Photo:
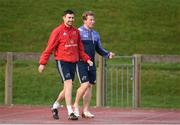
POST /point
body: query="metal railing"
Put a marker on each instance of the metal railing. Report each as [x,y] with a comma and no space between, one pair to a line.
[119,84]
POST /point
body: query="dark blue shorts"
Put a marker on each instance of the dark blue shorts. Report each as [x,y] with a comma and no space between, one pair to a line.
[66,70]
[86,73]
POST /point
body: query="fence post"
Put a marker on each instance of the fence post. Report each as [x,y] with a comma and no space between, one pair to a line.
[100,83]
[137,80]
[8,79]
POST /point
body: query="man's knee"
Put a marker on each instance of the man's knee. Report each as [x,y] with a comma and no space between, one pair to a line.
[85,84]
[83,87]
[69,81]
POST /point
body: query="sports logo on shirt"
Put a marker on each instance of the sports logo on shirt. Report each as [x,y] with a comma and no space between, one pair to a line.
[85,35]
[64,34]
[71,41]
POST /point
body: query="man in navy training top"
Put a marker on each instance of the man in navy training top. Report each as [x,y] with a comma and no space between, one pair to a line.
[87,74]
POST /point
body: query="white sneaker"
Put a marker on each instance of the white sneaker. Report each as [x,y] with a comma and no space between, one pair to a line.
[87,114]
[76,112]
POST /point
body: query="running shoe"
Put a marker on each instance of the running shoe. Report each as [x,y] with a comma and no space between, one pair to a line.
[55,113]
[87,114]
[72,116]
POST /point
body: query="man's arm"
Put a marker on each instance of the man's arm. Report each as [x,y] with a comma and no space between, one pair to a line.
[52,43]
[100,50]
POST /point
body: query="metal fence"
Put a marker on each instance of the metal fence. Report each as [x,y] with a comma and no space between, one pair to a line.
[118,81]
[119,84]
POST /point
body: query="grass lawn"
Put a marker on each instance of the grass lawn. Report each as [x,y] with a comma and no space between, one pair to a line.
[159,87]
[31,87]
[126,27]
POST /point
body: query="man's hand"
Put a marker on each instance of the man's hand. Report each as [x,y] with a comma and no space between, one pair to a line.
[111,55]
[90,63]
[41,68]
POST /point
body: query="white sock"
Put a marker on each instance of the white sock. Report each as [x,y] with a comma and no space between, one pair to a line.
[76,111]
[56,105]
[69,108]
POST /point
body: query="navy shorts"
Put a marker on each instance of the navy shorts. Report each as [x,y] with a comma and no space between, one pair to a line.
[66,70]
[86,73]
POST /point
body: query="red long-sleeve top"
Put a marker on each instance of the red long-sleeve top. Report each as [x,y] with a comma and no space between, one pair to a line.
[66,44]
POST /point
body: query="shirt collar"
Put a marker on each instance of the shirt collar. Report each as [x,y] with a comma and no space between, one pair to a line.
[84,28]
[65,27]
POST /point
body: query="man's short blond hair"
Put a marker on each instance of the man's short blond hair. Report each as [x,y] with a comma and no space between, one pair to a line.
[87,13]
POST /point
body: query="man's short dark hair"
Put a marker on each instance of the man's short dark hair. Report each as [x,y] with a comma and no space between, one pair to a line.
[68,12]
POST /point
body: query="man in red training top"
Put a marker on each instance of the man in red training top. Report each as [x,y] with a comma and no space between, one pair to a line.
[65,42]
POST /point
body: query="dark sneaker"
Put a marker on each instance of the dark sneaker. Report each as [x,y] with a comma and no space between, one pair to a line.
[55,113]
[72,116]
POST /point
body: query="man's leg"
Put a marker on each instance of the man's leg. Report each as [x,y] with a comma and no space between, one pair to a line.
[56,105]
[67,72]
[68,95]
[61,96]
[68,98]
[80,92]
[87,98]
[58,101]
[86,101]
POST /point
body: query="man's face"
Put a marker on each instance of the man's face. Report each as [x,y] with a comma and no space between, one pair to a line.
[68,19]
[89,22]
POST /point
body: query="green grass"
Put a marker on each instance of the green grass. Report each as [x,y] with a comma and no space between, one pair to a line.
[126,27]
[160,85]
[2,79]
[31,87]
[26,77]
